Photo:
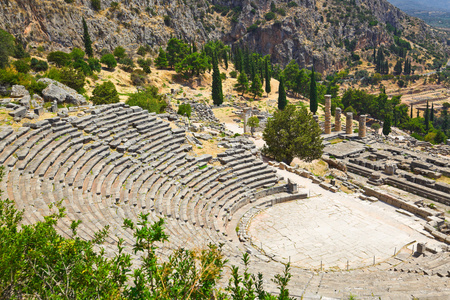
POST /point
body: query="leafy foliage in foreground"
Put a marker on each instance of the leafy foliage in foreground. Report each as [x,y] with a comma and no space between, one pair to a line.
[38,263]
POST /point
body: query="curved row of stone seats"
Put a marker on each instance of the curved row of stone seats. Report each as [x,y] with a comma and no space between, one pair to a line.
[101,186]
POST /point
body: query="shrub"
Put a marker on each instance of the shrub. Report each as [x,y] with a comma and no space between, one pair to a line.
[73,78]
[36,87]
[38,65]
[252,28]
[96,5]
[105,93]
[148,99]
[21,66]
[77,54]
[109,61]
[94,64]
[233,74]
[185,109]
[269,16]
[293,4]
[127,64]
[138,78]
[119,52]
[59,58]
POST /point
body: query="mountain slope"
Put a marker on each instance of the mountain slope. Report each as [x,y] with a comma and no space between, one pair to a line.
[300,30]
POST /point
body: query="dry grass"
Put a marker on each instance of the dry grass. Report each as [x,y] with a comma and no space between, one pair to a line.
[208,147]
[317,167]
[444,179]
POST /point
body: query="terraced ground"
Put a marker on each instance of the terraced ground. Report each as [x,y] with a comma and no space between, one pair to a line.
[118,161]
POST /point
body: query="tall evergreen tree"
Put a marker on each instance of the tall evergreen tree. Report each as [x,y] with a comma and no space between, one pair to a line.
[87,40]
[267,76]
[282,101]
[432,113]
[313,105]
[161,60]
[217,94]
[256,87]
[242,83]
[387,126]
[427,118]
[411,112]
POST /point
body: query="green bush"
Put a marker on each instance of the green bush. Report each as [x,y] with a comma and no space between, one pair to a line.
[126,64]
[36,87]
[38,65]
[96,5]
[105,93]
[119,52]
[73,78]
[233,74]
[185,109]
[148,99]
[59,58]
[6,48]
[109,61]
[269,16]
[138,78]
[21,66]
[293,4]
[94,64]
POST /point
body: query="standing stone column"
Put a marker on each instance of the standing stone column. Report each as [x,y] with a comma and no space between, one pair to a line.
[327,114]
[362,126]
[337,119]
[349,123]
[246,111]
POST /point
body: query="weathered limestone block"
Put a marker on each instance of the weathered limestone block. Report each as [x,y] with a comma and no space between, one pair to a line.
[19,112]
[19,91]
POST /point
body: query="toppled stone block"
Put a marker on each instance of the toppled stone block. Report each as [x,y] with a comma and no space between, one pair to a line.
[19,112]
[204,157]
[59,92]
[19,91]
[39,110]
[31,115]
[25,101]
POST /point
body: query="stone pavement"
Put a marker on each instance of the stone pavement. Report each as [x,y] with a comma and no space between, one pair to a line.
[331,228]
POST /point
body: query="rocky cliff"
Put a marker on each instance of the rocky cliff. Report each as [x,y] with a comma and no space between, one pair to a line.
[299,29]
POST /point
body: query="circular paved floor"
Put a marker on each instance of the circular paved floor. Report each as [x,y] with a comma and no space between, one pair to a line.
[332,230]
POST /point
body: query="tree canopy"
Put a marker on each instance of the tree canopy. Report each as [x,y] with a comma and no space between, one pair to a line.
[292,133]
[105,93]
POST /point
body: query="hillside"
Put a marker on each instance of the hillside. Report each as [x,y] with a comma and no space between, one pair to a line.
[300,30]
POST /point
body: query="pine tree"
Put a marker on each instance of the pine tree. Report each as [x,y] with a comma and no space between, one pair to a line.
[267,75]
[256,87]
[242,83]
[387,126]
[161,60]
[427,118]
[217,94]
[282,101]
[313,105]
[87,40]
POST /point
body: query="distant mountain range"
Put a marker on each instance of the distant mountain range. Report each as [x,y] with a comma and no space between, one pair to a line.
[435,13]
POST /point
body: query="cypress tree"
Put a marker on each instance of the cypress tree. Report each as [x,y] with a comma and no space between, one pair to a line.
[242,83]
[217,94]
[194,47]
[432,113]
[267,75]
[282,101]
[411,112]
[427,118]
[256,87]
[387,126]
[313,93]
[87,40]
[225,59]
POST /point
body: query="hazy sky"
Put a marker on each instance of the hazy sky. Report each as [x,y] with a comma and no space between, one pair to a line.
[439,5]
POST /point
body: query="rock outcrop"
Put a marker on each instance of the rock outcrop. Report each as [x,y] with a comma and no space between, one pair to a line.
[300,30]
[56,91]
